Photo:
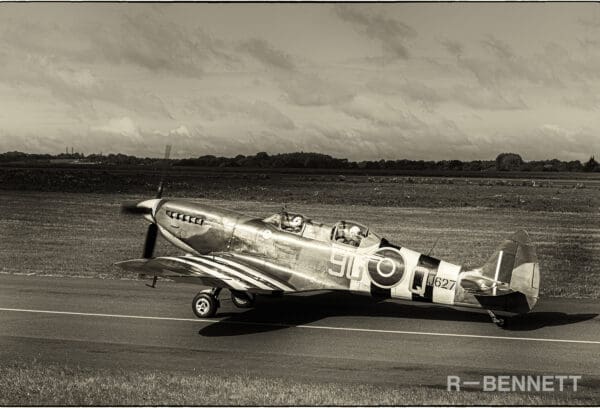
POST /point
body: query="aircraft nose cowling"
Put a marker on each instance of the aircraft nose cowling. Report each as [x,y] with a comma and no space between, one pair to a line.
[150,205]
[147,208]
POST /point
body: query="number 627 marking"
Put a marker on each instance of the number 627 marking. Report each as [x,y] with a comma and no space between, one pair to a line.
[444,283]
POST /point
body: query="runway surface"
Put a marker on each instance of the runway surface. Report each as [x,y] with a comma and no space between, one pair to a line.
[331,337]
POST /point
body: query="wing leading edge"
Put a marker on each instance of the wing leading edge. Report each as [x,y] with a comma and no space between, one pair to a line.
[209,270]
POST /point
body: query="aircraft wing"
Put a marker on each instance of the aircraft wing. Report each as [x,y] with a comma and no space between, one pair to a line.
[219,271]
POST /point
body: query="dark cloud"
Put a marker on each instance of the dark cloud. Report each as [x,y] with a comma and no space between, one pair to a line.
[214,108]
[383,130]
[267,54]
[590,44]
[475,97]
[79,87]
[150,42]
[392,33]
[419,92]
[495,72]
[453,47]
[380,114]
[503,67]
[39,38]
[145,40]
[478,98]
[499,48]
[312,90]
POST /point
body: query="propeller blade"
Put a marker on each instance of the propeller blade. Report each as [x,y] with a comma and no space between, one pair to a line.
[164,169]
[131,207]
[151,235]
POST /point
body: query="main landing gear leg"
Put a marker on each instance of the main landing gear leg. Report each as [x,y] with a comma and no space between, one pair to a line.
[498,321]
[206,303]
[243,300]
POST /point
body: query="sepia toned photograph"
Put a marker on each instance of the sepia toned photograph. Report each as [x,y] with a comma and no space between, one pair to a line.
[299,204]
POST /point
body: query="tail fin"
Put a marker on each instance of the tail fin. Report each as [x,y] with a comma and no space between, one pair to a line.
[512,276]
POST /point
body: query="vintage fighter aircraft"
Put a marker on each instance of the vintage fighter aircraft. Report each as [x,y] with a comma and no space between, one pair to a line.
[289,252]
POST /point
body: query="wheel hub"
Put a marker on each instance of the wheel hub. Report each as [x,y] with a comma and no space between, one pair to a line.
[202,306]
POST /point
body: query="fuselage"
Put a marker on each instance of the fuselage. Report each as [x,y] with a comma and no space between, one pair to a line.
[309,257]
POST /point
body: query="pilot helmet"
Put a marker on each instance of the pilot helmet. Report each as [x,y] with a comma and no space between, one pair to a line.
[354,231]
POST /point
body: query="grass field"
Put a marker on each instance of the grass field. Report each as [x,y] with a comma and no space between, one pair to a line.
[74,234]
[569,192]
[32,384]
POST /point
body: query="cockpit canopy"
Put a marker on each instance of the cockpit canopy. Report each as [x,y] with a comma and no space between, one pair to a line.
[289,222]
[349,233]
[343,232]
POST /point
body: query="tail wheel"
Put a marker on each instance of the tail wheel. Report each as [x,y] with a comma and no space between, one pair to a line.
[501,322]
[498,321]
[243,300]
[205,305]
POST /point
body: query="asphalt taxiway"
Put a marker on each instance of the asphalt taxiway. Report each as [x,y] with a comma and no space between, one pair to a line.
[333,337]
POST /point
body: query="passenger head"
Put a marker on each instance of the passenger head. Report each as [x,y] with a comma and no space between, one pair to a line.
[296,221]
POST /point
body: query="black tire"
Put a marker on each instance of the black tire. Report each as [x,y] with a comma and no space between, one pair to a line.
[205,305]
[243,300]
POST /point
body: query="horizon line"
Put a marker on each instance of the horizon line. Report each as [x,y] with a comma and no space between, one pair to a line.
[102,154]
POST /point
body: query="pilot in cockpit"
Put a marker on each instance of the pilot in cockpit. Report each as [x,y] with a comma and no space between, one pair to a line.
[291,222]
[349,235]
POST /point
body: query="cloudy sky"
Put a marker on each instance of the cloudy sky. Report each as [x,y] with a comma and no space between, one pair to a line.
[418,81]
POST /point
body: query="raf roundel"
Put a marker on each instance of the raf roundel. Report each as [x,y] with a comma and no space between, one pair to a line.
[386,267]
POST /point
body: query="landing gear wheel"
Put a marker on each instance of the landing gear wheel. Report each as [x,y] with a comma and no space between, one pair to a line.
[243,300]
[205,305]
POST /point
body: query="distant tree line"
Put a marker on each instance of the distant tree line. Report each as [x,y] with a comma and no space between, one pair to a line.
[20,156]
[514,162]
[503,162]
[110,159]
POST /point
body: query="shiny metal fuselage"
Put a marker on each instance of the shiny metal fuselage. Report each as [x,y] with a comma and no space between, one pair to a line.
[311,259]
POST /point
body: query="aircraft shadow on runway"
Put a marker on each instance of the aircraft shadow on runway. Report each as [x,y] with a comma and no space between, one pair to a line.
[275,314]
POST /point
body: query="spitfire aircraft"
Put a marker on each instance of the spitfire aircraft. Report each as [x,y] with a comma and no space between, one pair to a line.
[289,252]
